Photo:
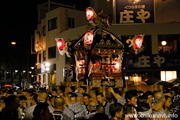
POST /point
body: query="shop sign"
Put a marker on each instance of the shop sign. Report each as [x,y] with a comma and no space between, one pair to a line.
[153,61]
[134,11]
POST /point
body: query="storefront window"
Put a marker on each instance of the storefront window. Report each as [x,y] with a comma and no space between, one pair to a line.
[167,44]
[168,75]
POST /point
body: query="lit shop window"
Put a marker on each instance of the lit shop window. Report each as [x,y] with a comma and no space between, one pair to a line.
[136,78]
[168,75]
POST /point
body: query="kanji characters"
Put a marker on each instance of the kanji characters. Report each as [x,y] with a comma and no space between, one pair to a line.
[142,15]
[127,16]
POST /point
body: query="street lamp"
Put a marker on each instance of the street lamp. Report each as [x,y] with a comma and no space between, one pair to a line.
[32,68]
[47,64]
[13,43]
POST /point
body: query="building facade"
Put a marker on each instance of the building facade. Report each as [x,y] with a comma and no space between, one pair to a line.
[52,21]
[158,20]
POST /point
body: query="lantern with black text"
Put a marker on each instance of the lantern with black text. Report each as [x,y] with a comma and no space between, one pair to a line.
[88,38]
[138,42]
[90,13]
[60,44]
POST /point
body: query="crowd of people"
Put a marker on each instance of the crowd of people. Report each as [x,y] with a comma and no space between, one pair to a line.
[76,103]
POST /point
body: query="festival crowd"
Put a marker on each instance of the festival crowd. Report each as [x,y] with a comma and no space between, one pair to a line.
[76,103]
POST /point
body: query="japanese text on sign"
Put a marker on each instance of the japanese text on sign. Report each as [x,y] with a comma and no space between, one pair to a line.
[153,61]
[130,12]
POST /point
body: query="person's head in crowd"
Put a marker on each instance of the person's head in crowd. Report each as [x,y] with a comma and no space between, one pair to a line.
[12,103]
[42,96]
[10,91]
[167,92]
[61,94]
[167,103]
[5,92]
[116,111]
[128,110]
[174,90]
[54,92]
[59,103]
[82,89]
[34,98]
[100,116]
[25,93]
[73,98]
[61,89]
[71,89]
[69,94]
[93,92]
[100,98]
[2,103]
[131,97]
[80,98]
[41,112]
[19,91]
[139,93]
[92,106]
[22,102]
[142,103]
[150,97]
[86,98]
[100,109]
[159,98]
[52,99]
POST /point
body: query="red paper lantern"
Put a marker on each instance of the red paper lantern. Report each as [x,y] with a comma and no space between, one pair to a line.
[60,44]
[88,39]
[81,62]
[115,65]
[89,14]
[138,42]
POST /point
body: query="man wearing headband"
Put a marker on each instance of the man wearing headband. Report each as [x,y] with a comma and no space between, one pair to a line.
[92,108]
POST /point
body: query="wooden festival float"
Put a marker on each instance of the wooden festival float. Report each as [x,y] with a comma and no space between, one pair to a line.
[98,53]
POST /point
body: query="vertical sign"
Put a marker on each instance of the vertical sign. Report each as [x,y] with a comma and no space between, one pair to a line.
[134,11]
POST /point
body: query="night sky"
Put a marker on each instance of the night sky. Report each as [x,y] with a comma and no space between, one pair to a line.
[17,23]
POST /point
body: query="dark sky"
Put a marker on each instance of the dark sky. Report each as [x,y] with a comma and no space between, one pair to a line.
[17,23]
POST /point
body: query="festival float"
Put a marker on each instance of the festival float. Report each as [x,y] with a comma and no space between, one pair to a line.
[98,53]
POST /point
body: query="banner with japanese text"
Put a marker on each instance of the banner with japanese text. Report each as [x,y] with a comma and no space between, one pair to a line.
[134,11]
[153,61]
